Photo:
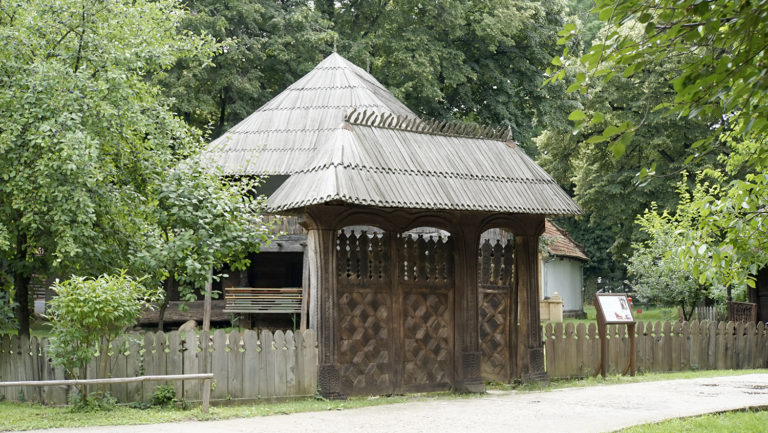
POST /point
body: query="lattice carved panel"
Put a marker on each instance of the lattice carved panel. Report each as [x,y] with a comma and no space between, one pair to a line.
[426,261]
[428,339]
[363,259]
[496,279]
[364,336]
[494,340]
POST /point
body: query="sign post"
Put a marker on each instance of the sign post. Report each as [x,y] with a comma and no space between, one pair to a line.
[614,308]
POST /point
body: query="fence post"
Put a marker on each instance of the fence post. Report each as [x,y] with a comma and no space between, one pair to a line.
[206,394]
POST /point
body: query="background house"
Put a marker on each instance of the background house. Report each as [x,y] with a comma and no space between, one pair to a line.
[562,265]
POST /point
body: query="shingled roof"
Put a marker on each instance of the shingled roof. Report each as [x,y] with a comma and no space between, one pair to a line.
[277,137]
[401,163]
[560,243]
[384,157]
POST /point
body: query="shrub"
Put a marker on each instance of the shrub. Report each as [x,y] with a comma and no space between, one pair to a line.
[164,395]
[88,314]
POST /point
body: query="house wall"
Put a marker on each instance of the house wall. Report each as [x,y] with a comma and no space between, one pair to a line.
[564,276]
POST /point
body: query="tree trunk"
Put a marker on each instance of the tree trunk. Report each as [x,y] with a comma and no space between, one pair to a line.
[21,298]
[161,314]
[170,292]
[21,287]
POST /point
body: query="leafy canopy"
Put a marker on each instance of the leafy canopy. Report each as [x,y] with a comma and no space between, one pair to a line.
[90,146]
[657,272]
[721,47]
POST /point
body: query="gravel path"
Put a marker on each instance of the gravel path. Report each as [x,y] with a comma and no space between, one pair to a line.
[588,409]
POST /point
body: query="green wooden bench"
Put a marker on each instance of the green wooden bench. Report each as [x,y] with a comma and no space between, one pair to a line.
[262,300]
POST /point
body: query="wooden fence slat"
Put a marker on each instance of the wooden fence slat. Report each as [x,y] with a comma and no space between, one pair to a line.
[190,359]
[267,343]
[549,349]
[674,347]
[174,363]
[134,364]
[220,365]
[118,369]
[148,363]
[290,364]
[265,349]
[235,365]
[280,364]
[581,343]
[310,362]
[594,347]
[251,364]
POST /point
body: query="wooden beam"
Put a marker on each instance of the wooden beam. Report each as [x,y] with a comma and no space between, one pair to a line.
[110,380]
[194,312]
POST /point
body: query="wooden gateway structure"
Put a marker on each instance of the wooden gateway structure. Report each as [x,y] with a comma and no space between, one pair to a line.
[401,293]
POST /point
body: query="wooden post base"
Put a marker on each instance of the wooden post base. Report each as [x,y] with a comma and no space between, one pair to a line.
[329,382]
[536,371]
[473,381]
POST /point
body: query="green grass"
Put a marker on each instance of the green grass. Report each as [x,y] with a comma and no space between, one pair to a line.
[740,421]
[618,379]
[25,416]
[646,314]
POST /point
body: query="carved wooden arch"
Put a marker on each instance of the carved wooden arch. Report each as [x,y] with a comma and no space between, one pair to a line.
[389,220]
[519,224]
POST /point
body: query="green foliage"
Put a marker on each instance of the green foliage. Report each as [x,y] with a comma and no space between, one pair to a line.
[748,421]
[90,404]
[84,132]
[658,273]
[199,221]
[728,243]
[724,79]
[164,395]
[269,45]
[716,55]
[609,189]
[89,313]
[476,60]
[7,321]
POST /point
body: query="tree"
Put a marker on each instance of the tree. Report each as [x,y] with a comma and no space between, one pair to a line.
[658,274]
[85,133]
[88,314]
[270,45]
[608,188]
[474,60]
[720,47]
[201,221]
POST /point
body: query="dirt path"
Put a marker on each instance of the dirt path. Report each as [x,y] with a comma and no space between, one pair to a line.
[589,409]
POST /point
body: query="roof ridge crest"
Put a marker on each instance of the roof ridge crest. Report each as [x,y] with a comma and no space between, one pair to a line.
[452,128]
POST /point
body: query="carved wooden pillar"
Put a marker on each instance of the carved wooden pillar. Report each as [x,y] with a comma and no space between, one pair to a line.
[530,346]
[468,358]
[321,246]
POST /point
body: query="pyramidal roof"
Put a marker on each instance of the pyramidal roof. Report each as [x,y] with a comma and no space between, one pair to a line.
[278,137]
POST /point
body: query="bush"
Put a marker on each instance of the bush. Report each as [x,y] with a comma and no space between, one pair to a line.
[164,395]
[88,314]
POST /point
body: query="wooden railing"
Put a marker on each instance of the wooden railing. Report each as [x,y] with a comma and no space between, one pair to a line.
[262,300]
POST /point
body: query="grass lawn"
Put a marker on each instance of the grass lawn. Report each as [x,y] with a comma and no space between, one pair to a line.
[21,416]
[646,314]
[741,421]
